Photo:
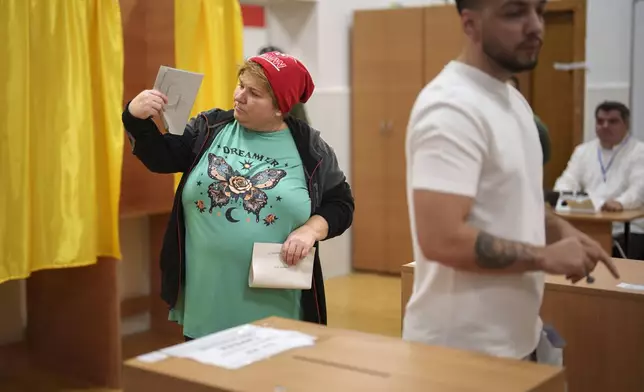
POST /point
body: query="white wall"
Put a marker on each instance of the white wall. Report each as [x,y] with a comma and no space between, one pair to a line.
[608,55]
[319,33]
[254,39]
[637,67]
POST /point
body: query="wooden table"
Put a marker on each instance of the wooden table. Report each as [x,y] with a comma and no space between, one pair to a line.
[602,324]
[343,360]
[600,225]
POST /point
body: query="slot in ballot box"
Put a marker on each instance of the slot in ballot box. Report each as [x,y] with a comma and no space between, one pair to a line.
[343,360]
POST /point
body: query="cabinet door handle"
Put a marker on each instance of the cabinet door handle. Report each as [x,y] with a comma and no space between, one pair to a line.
[383,127]
[390,125]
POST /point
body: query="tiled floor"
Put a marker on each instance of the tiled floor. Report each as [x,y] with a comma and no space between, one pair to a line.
[363,302]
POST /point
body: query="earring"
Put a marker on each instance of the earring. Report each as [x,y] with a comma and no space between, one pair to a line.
[277,114]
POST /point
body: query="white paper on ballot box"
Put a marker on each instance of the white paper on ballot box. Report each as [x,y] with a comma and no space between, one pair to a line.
[240,346]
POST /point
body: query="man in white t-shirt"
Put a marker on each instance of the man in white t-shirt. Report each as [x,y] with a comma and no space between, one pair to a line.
[481,234]
[610,169]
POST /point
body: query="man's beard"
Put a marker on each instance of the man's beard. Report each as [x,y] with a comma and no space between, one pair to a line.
[507,61]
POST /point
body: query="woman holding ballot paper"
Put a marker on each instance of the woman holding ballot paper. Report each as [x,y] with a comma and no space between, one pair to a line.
[250,175]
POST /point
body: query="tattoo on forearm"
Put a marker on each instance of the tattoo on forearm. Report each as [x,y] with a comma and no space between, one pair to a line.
[495,253]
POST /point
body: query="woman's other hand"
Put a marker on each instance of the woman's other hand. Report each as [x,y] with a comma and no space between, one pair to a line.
[298,244]
[148,103]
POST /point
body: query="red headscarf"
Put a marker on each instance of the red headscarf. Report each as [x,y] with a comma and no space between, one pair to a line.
[288,77]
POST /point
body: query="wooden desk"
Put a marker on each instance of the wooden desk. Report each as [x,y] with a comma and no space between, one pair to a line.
[343,360]
[600,226]
[602,324]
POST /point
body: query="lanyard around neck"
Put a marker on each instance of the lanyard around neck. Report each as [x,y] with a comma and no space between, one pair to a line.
[612,158]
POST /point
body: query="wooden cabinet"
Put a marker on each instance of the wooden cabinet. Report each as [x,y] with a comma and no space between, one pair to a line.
[395,52]
[387,74]
[368,124]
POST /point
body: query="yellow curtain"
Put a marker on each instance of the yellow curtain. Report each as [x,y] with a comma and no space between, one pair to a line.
[61,141]
[208,38]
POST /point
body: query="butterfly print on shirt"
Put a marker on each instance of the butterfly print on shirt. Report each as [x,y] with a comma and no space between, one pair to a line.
[231,185]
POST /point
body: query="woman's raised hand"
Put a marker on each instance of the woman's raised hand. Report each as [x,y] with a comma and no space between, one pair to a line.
[147,104]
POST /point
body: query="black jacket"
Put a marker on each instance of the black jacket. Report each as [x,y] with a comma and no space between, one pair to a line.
[330,194]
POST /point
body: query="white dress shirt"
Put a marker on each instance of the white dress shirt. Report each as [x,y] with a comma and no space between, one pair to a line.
[608,174]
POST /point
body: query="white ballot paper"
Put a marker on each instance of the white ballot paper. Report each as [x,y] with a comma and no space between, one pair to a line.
[240,346]
[630,286]
[267,270]
[181,88]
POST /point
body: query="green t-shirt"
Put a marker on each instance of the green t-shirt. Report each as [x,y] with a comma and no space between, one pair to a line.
[248,187]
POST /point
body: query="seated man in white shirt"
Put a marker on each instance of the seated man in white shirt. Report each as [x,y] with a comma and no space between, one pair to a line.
[611,168]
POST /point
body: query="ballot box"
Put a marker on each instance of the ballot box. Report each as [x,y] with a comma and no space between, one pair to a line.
[333,360]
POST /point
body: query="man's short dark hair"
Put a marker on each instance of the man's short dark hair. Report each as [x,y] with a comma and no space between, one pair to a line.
[464,4]
[270,48]
[608,106]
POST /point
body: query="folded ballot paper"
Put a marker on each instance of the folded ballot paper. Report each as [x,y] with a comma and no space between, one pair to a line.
[181,88]
[267,270]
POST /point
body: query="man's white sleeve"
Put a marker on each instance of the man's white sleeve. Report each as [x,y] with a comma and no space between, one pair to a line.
[571,179]
[633,196]
[447,150]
